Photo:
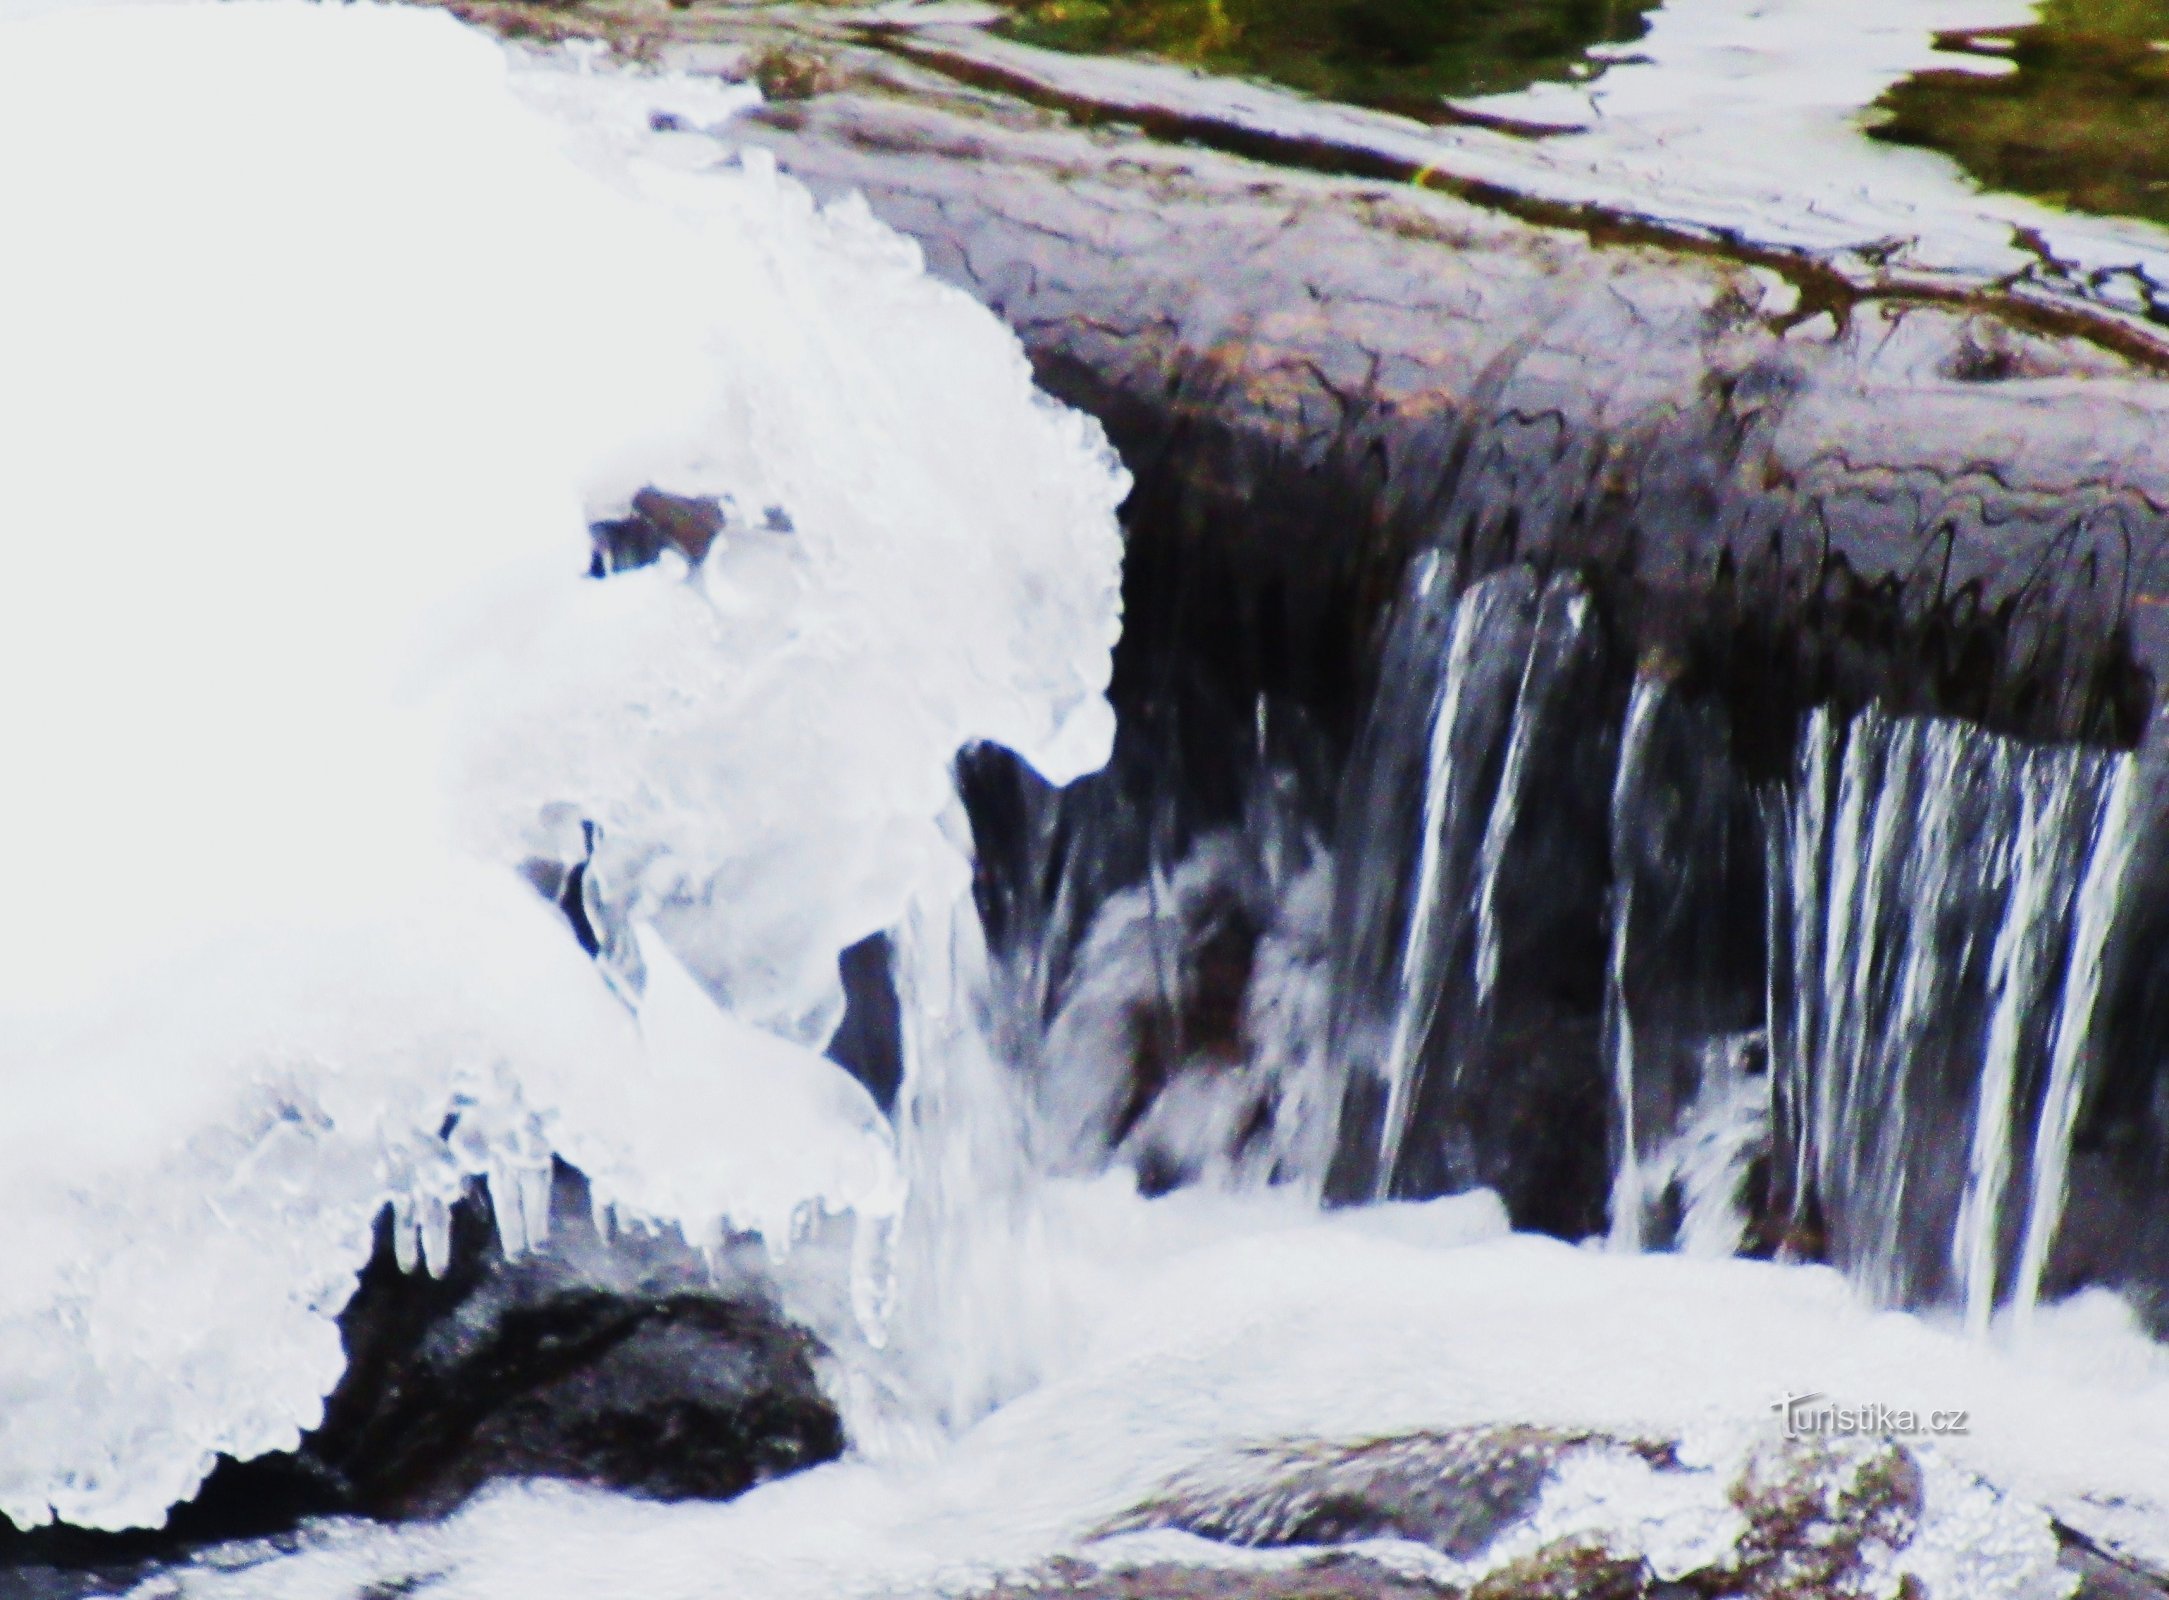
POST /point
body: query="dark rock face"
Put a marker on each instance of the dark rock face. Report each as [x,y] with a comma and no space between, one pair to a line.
[1820,505]
[624,1365]
[869,1042]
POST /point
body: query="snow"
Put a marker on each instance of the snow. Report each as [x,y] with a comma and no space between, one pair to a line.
[324,332]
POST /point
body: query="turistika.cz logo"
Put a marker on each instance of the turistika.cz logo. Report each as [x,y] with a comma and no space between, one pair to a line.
[1817,1416]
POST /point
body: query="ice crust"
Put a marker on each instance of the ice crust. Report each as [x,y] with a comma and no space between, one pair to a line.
[324,333]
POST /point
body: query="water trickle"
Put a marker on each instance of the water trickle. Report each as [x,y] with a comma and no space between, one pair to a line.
[1561,617]
[1634,759]
[2115,835]
[2024,971]
[958,1271]
[1490,614]
[1510,662]
[1933,872]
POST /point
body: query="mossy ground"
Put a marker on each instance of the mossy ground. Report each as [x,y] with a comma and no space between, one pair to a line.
[1400,55]
[2083,121]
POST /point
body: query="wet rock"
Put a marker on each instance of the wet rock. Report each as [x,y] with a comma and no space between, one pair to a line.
[1454,1491]
[1370,367]
[1818,1520]
[2101,1574]
[1573,1569]
[1331,1577]
[785,73]
[1817,1512]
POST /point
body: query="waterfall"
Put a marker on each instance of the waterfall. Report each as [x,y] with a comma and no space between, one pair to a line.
[1441,863]
[1932,926]
[1634,756]
[2114,838]
[2024,970]
[1562,614]
[966,1282]
[1799,869]
[1511,646]
[1844,1013]
[1686,974]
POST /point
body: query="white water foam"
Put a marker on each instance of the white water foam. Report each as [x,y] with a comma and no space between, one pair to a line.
[1201,1324]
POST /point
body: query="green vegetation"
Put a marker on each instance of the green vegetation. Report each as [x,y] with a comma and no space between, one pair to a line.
[2082,123]
[1400,55]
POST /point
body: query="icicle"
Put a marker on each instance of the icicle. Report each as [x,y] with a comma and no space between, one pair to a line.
[1634,746]
[1806,856]
[506,1208]
[406,1234]
[2069,1054]
[436,1231]
[534,1189]
[873,1274]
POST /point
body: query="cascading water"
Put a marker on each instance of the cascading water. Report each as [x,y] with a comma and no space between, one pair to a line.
[1939,901]
[1516,935]
[1845,1013]
[1936,870]
[1444,874]
[1439,979]
[1627,1184]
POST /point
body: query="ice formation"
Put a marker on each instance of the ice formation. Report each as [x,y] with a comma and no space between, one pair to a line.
[320,346]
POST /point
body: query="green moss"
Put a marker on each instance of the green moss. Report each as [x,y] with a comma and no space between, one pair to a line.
[1402,55]
[2082,123]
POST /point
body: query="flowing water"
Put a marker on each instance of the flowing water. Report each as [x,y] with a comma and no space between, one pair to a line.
[1545,1035]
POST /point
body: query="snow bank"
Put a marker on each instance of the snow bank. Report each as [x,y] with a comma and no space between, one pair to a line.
[320,345]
